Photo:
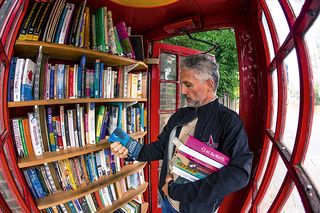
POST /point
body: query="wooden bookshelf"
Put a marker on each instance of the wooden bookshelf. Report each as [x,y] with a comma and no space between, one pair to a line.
[73,101]
[72,53]
[48,157]
[127,197]
[65,196]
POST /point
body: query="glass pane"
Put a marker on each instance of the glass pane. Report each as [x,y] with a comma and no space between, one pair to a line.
[168,96]
[5,11]
[13,27]
[7,195]
[296,5]
[2,69]
[274,186]
[266,162]
[293,99]
[268,35]
[168,70]
[294,203]
[279,19]
[163,120]
[274,100]
[312,160]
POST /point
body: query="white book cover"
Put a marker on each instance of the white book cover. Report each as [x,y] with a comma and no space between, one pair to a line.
[47,86]
[35,134]
[112,84]
[83,134]
[139,85]
[71,128]
[105,83]
[18,79]
[60,81]
[91,123]
[109,73]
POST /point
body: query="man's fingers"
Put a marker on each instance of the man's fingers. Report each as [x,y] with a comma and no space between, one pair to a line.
[124,154]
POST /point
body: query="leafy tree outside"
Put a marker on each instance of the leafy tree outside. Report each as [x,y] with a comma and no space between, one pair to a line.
[225,53]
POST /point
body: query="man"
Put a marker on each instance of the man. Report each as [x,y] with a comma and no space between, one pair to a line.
[215,125]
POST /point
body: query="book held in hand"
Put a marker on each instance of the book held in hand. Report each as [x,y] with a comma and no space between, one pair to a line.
[133,146]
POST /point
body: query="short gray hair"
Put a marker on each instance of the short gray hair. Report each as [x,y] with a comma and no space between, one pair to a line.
[204,67]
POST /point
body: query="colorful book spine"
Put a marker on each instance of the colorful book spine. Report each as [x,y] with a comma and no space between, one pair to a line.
[206,150]
[11,78]
[196,156]
[35,134]
[17,137]
[125,40]
[17,79]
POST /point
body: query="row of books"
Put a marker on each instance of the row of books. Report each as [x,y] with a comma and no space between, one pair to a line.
[131,207]
[63,81]
[70,174]
[195,160]
[58,128]
[66,23]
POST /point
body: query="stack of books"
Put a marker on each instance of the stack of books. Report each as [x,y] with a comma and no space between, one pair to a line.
[195,160]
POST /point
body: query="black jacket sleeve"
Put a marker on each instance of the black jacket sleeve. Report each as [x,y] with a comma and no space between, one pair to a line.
[229,178]
[157,149]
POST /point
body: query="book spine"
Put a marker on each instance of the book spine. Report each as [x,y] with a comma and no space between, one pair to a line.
[35,134]
[23,139]
[96,78]
[17,137]
[35,21]
[112,40]
[50,130]
[36,183]
[27,80]
[18,79]
[11,78]
[43,20]
[27,21]
[125,40]
[37,74]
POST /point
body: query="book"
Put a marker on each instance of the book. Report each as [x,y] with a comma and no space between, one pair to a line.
[18,79]
[125,40]
[133,146]
[206,150]
[196,156]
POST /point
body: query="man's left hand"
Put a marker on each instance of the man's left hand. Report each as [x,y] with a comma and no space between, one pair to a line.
[165,186]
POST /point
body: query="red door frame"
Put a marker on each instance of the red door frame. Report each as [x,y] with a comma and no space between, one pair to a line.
[154,110]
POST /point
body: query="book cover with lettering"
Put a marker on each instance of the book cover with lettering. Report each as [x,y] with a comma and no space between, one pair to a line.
[206,150]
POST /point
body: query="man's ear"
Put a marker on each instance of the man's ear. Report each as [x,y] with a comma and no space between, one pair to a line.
[210,84]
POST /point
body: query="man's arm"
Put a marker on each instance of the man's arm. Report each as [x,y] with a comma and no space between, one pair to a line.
[228,179]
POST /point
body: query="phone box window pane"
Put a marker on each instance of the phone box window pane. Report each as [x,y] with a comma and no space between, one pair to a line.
[168,69]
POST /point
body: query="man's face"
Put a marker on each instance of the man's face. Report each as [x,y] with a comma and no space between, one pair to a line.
[197,92]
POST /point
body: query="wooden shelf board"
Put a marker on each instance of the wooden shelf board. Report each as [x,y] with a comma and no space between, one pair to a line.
[63,52]
[65,196]
[127,197]
[49,157]
[72,101]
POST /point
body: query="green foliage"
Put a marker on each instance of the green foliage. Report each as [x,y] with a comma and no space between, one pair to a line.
[226,56]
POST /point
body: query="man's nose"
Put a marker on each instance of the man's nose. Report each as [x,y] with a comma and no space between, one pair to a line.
[183,90]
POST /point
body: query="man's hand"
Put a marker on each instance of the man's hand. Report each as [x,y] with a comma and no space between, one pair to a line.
[165,186]
[119,150]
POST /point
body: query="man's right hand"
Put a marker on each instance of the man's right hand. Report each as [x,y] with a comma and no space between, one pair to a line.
[119,150]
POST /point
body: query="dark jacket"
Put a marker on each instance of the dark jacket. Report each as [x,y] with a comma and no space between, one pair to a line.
[228,133]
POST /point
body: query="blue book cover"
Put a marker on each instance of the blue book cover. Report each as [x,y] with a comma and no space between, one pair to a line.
[96,78]
[60,81]
[82,79]
[60,24]
[26,176]
[88,165]
[11,78]
[133,146]
[36,183]
[50,130]
[72,207]
[52,71]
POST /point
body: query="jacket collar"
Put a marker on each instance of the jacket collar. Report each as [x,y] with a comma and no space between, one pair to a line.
[192,113]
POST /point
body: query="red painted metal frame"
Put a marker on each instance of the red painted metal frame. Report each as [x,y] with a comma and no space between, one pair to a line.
[26,200]
[281,111]
[155,108]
